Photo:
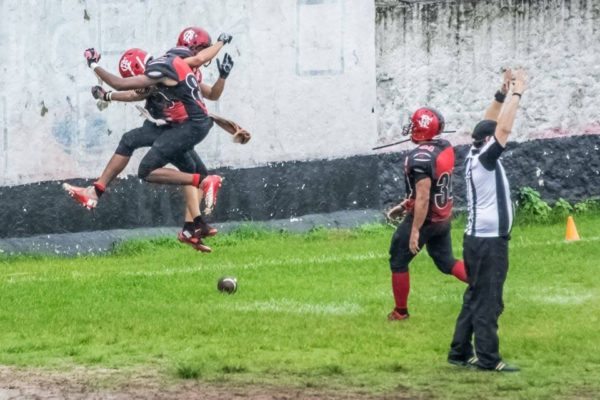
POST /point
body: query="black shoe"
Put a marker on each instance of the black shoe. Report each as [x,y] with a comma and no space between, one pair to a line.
[500,367]
[469,363]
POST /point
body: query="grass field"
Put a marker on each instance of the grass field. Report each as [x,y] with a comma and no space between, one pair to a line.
[310,312]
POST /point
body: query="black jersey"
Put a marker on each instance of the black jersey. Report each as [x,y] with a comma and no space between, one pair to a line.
[435,160]
[161,107]
[186,90]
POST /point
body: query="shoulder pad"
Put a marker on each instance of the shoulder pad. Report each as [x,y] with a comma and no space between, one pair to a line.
[180,51]
[161,67]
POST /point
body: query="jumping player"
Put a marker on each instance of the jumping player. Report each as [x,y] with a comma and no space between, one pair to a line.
[176,81]
[428,206]
[159,108]
[133,63]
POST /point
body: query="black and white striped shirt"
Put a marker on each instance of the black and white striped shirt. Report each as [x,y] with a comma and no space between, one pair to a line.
[488,192]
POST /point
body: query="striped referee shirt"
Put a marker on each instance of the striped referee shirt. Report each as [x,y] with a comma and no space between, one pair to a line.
[488,193]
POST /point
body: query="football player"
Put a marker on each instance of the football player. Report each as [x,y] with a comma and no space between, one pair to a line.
[428,207]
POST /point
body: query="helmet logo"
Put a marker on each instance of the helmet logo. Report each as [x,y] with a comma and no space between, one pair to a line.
[425,120]
[126,65]
[189,35]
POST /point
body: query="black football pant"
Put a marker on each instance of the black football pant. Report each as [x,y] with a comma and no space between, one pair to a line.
[147,135]
[435,236]
[486,263]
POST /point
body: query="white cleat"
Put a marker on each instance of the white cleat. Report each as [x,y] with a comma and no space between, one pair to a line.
[210,187]
[84,196]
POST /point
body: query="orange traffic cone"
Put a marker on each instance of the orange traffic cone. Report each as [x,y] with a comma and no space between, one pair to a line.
[571,230]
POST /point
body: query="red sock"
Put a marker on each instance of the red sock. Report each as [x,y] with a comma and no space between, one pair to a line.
[196,180]
[459,271]
[100,188]
[401,288]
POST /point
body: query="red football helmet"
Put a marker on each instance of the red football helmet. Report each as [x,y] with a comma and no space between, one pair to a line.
[194,38]
[425,124]
[133,62]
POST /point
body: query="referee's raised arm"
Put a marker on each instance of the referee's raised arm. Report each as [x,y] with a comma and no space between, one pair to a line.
[509,112]
[492,112]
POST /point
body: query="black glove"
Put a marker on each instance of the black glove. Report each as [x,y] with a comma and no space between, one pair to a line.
[100,94]
[91,56]
[225,38]
[225,66]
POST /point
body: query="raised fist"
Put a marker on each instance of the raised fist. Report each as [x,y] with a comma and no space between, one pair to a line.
[91,56]
[225,38]
[225,66]
[99,93]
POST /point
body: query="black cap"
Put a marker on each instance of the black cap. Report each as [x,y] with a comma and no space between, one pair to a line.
[483,129]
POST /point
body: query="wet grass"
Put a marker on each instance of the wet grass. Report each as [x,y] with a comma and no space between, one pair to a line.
[309,312]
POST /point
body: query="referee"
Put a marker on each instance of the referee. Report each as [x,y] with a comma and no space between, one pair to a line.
[485,248]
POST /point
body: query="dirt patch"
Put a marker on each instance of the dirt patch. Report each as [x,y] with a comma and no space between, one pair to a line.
[87,384]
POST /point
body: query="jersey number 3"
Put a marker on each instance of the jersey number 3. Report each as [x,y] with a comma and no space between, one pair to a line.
[443,190]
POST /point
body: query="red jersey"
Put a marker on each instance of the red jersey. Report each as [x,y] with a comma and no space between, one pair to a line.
[434,160]
[185,91]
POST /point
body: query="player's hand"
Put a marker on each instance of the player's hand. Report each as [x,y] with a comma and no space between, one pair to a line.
[242,136]
[91,56]
[99,93]
[225,38]
[520,82]
[398,211]
[413,243]
[507,78]
[225,66]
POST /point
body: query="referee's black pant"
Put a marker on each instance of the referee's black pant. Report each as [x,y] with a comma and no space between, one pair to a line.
[486,262]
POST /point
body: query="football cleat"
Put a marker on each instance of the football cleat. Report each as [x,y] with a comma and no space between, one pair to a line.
[191,239]
[396,316]
[469,363]
[85,196]
[205,230]
[210,187]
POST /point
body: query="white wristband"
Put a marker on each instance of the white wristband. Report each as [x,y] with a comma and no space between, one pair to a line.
[93,66]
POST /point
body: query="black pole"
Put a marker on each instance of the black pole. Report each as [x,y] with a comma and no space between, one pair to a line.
[401,141]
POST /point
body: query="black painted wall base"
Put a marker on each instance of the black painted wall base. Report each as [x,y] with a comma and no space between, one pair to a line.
[569,168]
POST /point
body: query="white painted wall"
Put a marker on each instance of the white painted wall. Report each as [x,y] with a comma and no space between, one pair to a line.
[449,56]
[303,82]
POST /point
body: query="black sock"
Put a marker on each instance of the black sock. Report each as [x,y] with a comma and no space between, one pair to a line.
[188,226]
[198,222]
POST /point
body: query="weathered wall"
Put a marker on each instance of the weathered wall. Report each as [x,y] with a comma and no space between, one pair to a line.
[303,96]
[303,81]
[449,55]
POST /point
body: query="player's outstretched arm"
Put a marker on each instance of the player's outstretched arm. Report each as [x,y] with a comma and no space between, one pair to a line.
[507,118]
[116,82]
[214,92]
[240,135]
[209,53]
[127,96]
[494,109]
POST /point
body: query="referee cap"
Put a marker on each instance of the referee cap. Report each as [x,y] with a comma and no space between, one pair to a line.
[483,129]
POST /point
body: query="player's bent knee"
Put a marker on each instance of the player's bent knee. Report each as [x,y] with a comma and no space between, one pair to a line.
[144,171]
[125,147]
[445,267]
[398,268]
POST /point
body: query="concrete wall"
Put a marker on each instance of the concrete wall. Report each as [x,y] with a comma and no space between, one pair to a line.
[304,84]
[303,81]
[449,54]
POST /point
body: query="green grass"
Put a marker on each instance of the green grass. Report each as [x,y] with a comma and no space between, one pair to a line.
[310,311]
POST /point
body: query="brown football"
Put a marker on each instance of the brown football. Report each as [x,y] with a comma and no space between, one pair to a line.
[227,284]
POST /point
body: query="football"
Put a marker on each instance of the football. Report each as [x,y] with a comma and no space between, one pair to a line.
[227,284]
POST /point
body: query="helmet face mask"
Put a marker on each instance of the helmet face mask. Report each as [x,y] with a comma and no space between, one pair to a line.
[425,124]
[194,38]
[133,62]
